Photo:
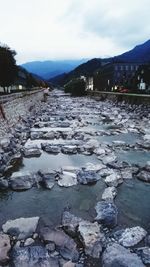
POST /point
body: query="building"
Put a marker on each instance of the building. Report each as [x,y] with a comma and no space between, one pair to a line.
[89,84]
[115,75]
[143,77]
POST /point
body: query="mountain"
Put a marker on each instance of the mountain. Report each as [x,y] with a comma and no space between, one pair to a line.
[140,54]
[49,69]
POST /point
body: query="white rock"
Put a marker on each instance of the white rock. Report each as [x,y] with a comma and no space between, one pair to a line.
[67,179]
[113,179]
[109,193]
[22,227]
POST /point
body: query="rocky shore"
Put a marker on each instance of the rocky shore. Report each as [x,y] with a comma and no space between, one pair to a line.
[76,126]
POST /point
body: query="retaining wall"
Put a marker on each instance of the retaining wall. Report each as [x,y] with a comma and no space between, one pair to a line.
[15,106]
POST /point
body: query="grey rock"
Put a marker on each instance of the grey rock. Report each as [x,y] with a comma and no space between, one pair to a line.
[21,228]
[70,149]
[144,253]
[130,236]
[88,177]
[64,244]
[4,248]
[3,184]
[32,153]
[52,149]
[106,213]
[118,256]
[33,256]
[109,193]
[70,223]
[144,176]
[67,179]
[48,178]
[114,179]
[22,181]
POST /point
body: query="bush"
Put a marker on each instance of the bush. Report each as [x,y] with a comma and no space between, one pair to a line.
[76,87]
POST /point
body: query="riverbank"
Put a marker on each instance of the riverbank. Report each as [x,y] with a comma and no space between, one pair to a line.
[136,99]
[74,186]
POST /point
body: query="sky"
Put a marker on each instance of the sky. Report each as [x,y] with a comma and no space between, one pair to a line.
[73,29]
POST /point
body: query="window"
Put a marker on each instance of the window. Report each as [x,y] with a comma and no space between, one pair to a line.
[127,68]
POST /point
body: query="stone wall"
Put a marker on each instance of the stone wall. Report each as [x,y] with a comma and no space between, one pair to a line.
[15,107]
[120,97]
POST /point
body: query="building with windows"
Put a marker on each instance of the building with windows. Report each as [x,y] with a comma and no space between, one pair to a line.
[115,75]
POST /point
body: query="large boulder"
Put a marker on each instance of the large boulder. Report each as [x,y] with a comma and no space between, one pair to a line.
[144,176]
[22,228]
[64,244]
[48,178]
[92,238]
[88,177]
[22,180]
[4,248]
[33,256]
[67,179]
[70,223]
[109,193]
[117,256]
[51,149]
[32,152]
[106,213]
[130,236]
[69,149]
[114,179]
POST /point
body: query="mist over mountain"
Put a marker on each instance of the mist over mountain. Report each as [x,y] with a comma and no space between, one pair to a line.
[48,69]
[139,54]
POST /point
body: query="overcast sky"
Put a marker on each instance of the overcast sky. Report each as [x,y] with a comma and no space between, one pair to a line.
[68,29]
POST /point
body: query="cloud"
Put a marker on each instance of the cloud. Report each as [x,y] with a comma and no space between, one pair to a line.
[47,29]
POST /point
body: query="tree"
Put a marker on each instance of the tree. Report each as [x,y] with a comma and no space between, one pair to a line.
[8,68]
[76,87]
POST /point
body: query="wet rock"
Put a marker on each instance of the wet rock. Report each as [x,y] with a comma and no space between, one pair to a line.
[144,176]
[127,173]
[94,167]
[3,184]
[64,244]
[21,228]
[88,177]
[4,248]
[69,149]
[92,238]
[144,253]
[108,159]
[130,236]
[114,179]
[28,242]
[67,179]
[31,153]
[52,149]
[48,178]
[106,213]
[70,223]
[22,180]
[33,256]
[109,193]
[118,256]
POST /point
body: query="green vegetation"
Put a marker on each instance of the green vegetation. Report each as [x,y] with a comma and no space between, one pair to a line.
[76,87]
[8,68]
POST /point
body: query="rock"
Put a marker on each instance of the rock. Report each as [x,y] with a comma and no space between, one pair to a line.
[88,177]
[144,176]
[48,178]
[92,238]
[33,256]
[64,244]
[118,256]
[4,142]
[99,151]
[109,193]
[50,247]
[119,143]
[67,179]
[36,135]
[3,184]
[70,169]
[21,228]
[28,242]
[69,149]
[69,264]
[22,181]
[32,153]
[114,179]
[108,159]
[144,253]
[4,248]
[126,173]
[49,136]
[106,213]
[130,236]
[70,223]
[94,167]
[52,149]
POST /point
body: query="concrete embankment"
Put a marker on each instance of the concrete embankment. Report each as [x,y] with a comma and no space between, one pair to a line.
[15,106]
[119,97]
